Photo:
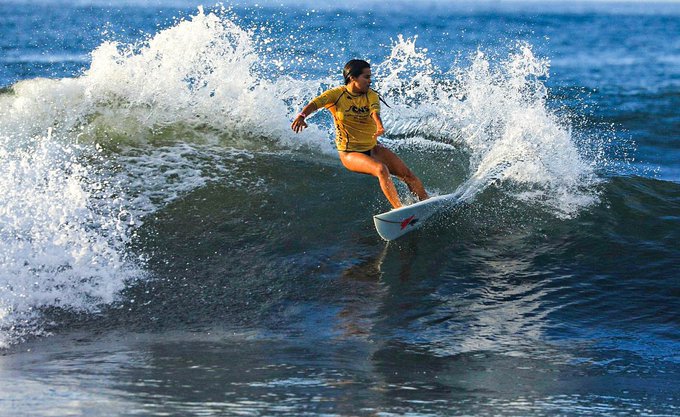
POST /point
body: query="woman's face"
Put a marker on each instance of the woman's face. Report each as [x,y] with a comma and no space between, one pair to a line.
[363,81]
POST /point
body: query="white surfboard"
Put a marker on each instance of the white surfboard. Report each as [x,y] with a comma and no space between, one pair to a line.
[395,223]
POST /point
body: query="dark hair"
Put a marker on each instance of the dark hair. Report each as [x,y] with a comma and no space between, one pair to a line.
[354,68]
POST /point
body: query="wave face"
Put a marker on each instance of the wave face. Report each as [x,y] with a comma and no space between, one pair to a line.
[161,187]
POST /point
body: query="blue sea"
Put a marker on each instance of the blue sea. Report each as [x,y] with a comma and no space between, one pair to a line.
[169,247]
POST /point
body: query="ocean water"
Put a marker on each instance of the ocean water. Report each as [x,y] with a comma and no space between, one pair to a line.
[168,246]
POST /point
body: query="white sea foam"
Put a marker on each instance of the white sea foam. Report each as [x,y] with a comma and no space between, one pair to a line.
[63,236]
[70,210]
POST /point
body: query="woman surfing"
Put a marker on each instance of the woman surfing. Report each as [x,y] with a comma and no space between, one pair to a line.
[356,113]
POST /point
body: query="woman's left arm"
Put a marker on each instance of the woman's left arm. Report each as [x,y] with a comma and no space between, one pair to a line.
[299,122]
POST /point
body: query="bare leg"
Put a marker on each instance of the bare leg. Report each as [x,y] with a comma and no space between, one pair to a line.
[398,167]
[358,162]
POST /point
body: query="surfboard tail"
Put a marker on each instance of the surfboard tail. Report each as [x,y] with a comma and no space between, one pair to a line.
[396,223]
[394,227]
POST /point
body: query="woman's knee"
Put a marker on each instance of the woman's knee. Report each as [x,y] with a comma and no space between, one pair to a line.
[382,171]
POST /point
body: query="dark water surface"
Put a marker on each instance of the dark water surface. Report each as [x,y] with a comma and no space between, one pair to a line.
[169,247]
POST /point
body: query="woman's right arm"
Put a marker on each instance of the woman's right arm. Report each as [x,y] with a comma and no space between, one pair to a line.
[299,122]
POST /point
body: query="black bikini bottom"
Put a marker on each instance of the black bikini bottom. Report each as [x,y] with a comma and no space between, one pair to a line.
[367,153]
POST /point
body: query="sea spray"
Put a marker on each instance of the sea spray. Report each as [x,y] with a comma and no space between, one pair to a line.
[202,72]
[63,236]
[498,112]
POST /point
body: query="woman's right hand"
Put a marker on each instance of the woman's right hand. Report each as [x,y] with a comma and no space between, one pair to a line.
[298,124]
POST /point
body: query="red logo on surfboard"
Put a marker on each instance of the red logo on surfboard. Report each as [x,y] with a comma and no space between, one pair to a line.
[410,220]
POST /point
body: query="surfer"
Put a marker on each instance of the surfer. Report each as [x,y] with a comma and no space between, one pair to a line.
[356,113]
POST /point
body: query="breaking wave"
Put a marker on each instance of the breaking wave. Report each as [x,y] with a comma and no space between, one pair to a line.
[88,158]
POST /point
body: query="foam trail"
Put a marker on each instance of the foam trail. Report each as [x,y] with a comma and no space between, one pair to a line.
[499,113]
